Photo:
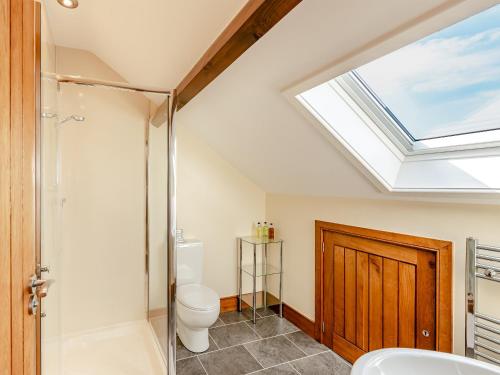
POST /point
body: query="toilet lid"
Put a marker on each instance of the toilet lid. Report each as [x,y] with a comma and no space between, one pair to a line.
[197,297]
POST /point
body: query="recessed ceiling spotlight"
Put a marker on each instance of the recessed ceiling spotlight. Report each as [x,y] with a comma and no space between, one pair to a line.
[71,4]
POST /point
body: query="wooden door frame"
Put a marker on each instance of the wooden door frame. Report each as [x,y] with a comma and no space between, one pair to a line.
[19,105]
[444,279]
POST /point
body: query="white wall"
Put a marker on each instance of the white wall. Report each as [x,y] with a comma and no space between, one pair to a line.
[215,203]
[102,182]
[295,215]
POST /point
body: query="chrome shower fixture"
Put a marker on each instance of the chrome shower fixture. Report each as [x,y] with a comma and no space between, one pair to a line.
[72,117]
[48,115]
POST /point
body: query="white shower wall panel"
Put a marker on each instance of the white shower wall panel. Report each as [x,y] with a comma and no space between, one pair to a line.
[102,181]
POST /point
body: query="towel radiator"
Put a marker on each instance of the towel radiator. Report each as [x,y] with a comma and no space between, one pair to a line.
[482,332]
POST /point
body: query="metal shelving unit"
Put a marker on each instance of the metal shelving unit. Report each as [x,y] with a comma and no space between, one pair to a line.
[262,269]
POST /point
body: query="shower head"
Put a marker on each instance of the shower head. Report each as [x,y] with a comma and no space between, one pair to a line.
[72,117]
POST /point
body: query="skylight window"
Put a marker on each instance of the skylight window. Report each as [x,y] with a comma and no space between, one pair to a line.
[447,84]
[425,118]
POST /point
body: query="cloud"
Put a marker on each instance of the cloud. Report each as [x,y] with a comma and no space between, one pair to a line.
[438,64]
[446,83]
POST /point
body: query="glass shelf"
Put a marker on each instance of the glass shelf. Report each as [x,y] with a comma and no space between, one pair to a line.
[261,269]
[247,300]
[260,240]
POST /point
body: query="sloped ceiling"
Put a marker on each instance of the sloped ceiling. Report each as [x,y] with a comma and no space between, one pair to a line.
[246,117]
[244,114]
[148,42]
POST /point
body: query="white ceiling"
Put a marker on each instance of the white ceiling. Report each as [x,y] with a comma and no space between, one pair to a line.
[245,114]
[148,42]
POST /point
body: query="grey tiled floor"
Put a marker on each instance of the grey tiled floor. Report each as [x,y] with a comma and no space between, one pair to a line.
[273,346]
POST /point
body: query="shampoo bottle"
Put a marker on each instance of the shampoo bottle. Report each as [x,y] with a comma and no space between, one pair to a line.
[265,230]
[259,230]
[271,231]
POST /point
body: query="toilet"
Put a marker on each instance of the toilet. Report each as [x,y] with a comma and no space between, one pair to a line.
[198,306]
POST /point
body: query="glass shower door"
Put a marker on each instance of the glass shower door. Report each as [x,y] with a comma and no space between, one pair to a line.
[94,224]
[157,232]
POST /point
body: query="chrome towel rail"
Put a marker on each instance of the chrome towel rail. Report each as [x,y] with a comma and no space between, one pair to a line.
[482,332]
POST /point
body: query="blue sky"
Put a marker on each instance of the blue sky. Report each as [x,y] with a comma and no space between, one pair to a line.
[446,83]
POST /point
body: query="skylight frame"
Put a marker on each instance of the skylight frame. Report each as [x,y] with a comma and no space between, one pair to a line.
[370,104]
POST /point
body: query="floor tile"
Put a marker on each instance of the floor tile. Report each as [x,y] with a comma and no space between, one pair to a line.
[217,323]
[182,352]
[306,343]
[263,312]
[273,351]
[284,369]
[189,366]
[231,361]
[236,316]
[321,364]
[272,326]
[233,334]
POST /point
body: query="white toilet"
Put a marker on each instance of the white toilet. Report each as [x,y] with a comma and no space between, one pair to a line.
[197,305]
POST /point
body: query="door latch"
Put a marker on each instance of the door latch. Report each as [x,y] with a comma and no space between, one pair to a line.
[38,289]
[33,304]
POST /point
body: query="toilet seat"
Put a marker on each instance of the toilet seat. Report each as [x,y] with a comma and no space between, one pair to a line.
[197,297]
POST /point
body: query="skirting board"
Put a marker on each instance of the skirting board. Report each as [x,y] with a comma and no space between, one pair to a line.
[300,321]
[228,304]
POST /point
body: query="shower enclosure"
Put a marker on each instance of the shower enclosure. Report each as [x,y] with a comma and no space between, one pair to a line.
[106,220]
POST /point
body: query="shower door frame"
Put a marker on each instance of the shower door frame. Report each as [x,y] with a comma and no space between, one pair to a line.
[170,108]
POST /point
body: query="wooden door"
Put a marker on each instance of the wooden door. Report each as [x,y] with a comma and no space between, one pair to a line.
[18,108]
[377,294]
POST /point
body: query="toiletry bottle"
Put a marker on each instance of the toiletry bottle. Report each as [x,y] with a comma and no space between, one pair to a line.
[259,230]
[271,231]
[265,230]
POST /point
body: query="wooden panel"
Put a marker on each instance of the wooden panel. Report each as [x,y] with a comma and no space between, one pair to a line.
[338,291]
[17,280]
[326,336]
[426,300]
[390,303]
[255,19]
[406,305]
[18,101]
[350,295]
[345,349]
[362,300]
[444,303]
[375,302]
[402,287]
[29,175]
[318,281]
[5,176]
[378,248]
[405,240]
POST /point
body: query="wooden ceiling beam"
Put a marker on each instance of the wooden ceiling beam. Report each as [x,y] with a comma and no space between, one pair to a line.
[253,21]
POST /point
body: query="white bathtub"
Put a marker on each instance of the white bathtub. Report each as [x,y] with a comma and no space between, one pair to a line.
[419,362]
